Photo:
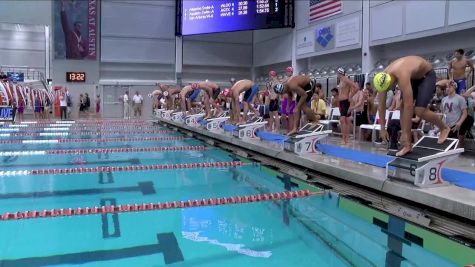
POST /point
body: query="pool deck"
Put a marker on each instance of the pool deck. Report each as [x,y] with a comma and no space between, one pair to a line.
[448,198]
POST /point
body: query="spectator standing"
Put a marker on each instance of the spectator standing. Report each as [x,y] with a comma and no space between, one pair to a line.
[63,103]
[98,105]
[138,102]
[125,99]
[454,107]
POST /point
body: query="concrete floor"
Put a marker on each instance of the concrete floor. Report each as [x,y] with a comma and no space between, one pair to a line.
[448,198]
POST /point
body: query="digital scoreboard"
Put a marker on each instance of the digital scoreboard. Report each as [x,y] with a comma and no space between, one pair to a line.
[211,16]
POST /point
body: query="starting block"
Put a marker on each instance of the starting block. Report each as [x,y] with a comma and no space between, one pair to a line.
[306,139]
[158,112]
[215,124]
[178,117]
[423,165]
[249,129]
[194,120]
[166,114]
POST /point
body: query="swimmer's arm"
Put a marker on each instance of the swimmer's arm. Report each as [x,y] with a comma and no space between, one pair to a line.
[470,65]
[469,91]
[451,74]
[382,109]
[303,97]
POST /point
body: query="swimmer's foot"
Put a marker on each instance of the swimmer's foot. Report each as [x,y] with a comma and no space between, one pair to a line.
[219,114]
[292,132]
[443,135]
[404,151]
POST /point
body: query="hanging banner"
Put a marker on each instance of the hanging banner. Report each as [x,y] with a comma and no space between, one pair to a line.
[75,29]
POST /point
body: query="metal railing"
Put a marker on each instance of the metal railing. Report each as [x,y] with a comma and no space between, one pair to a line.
[29,73]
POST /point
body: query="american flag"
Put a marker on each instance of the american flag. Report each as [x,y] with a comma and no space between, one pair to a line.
[320,9]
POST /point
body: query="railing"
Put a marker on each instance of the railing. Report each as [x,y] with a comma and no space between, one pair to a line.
[29,73]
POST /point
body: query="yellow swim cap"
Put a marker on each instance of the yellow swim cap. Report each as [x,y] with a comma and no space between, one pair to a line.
[382,81]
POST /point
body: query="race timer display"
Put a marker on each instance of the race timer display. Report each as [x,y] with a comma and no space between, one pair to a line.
[200,16]
[75,76]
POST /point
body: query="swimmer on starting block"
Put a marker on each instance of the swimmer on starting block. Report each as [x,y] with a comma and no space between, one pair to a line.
[169,92]
[188,96]
[251,89]
[304,88]
[416,80]
[212,90]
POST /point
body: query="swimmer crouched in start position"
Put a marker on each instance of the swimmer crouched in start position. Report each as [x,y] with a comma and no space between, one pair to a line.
[251,91]
[304,88]
[212,90]
[416,80]
[188,96]
[169,92]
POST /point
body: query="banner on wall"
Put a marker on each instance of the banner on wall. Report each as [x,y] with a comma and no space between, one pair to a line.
[325,38]
[347,32]
[305,42]
[75,29]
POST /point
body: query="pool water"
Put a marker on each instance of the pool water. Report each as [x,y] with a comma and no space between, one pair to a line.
[323,230]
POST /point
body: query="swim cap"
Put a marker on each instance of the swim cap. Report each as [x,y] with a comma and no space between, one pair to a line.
[382,81]
[232,80]
[289,69]
[165,93]
[272,73]
[194,85]
[341,71]
[279,88]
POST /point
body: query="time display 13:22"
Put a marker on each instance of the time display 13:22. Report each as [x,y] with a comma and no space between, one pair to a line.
[75,76]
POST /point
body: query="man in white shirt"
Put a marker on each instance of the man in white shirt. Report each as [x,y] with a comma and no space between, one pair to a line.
[63,103]
[125,98]
[138,100]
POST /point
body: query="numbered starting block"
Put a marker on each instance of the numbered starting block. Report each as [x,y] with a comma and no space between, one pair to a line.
[158,112]
[423,166]
[194,120]
[215,124]
[306,140]
[249,129]
[178,117]
[166,115]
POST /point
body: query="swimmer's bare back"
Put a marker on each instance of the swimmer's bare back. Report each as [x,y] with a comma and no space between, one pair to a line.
[412,67]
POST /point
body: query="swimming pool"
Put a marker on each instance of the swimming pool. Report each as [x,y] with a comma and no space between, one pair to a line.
[326,230]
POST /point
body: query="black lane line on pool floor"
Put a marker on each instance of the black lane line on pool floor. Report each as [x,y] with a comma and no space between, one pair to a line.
[110,178]
[167,245]
[106,233]
[133,161]
[396,239]
[146,188]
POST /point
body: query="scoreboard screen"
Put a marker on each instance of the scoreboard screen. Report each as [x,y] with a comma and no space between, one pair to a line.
[211,16]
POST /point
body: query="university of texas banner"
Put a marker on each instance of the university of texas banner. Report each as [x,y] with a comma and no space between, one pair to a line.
[75,29]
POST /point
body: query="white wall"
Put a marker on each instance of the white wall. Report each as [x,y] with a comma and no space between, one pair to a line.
[26,11]
[396,21]
[22,46]
[345,28]
[217,56]
[272,46]
[137,40]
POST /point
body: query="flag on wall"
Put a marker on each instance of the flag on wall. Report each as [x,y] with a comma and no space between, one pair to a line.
[320,9]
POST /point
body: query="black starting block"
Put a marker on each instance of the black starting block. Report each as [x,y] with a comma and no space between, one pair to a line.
[306,139]
[423,165]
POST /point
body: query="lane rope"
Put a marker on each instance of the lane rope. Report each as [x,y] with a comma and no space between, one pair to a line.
[221,164]
[69,212]
[102,150]
[19,128]
[88,133]
[90,140]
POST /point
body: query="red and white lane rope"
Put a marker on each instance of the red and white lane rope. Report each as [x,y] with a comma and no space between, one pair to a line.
[94,140]
[24,127]
[69,212]
[222,164]
[65,133]
[101,150]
